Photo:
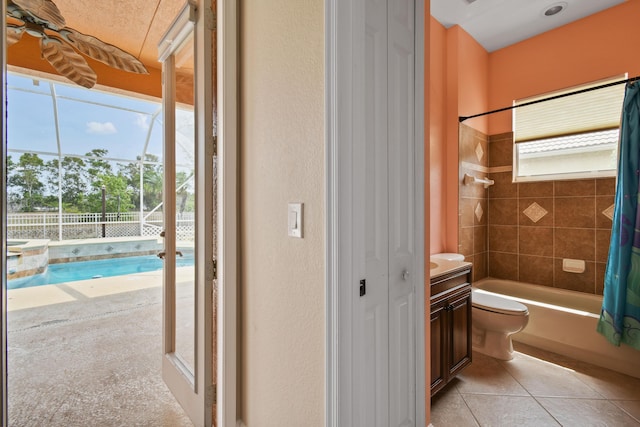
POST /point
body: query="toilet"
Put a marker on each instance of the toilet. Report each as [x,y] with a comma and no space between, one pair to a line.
[494,319]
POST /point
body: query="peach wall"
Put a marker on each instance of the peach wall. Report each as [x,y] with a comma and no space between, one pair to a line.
[437,137]
[458,86]
[596,47]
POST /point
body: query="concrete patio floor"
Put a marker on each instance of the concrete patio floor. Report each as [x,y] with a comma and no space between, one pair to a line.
[89,353]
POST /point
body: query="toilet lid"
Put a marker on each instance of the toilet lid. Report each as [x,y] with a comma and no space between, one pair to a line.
[497,304]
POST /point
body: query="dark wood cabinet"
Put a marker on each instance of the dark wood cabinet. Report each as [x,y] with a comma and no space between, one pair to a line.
[450,304]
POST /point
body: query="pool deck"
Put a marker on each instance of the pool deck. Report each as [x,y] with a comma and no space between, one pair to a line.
[89,352]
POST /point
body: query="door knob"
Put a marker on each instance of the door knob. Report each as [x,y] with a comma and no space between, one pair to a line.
[162,254]
[405,275]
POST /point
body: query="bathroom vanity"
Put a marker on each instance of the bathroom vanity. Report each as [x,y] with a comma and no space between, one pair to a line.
[450,304]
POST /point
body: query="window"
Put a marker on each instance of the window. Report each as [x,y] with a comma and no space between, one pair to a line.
[568,137]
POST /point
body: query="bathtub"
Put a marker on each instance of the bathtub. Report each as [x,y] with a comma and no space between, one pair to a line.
[564,322]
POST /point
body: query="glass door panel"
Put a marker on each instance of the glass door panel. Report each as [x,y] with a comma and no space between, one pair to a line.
[185,206]
[188,333]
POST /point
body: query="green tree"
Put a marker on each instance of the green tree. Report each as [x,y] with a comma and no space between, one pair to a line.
[185,199]
[74,182]
[26,181]
[96,165]
[152,181]
[118,195]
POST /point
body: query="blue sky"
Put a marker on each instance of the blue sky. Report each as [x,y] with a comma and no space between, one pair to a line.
[83,126]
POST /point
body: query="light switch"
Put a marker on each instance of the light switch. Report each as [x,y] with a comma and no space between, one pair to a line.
[294,218]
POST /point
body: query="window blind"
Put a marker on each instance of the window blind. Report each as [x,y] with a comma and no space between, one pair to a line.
[584,112]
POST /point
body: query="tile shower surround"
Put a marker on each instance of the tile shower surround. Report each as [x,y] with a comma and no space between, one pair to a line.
[531,227]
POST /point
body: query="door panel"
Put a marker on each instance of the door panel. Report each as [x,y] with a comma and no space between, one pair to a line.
[402,225]
[188,335]
[389,375]
[180,222]
[376,218]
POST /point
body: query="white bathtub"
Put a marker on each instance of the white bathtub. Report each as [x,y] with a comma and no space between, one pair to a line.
[564,322]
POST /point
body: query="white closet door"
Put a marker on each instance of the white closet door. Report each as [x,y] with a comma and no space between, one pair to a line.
[384,355]
[402,226]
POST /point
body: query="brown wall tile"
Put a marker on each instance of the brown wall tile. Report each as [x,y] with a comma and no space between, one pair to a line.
[582,282]
[603,203]
[545,203]
[469,139]
[503,211]
[466,241]
[480,240]
[536,269]
[484,206]
[600,270]
[580,187]
[576,243]
[535,241]
[500,153]
[520,249]
[603,239]
[503,238]
[503,186]
[503,265]
[508,136]
[575,212]
[467,206]
[605,186]
[535,189]
[480,262]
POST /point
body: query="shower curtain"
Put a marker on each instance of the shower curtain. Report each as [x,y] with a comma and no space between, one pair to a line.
[620,317]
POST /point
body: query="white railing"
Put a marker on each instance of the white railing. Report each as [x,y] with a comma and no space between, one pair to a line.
[67,226]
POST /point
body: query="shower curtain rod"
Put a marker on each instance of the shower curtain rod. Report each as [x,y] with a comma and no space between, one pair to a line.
[632,79]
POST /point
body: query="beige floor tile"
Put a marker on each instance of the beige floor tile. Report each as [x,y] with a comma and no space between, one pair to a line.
[587,412]
[487,376]
[449,409]
[610,384]
[508,411]
[631,407]
[546,379]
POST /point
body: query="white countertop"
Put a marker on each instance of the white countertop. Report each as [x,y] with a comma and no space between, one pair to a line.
[441,267]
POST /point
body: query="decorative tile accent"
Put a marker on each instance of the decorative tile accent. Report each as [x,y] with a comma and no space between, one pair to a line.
[535,212]
[76,251]
[608,212]
[109,248]
[479,152]
[479,212]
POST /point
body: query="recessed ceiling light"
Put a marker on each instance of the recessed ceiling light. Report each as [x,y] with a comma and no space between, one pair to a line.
[554,9]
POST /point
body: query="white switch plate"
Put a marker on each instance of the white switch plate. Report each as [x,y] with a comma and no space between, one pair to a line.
[294,219]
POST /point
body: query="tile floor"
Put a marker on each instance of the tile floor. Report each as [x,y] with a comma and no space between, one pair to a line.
[537,388]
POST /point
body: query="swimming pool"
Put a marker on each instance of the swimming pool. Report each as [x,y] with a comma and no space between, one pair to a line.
[84,270]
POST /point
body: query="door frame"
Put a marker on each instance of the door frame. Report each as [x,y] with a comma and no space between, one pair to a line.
[342,17]
[3,222]
[227,25]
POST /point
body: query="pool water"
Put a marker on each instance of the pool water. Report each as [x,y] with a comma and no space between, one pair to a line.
[85,270]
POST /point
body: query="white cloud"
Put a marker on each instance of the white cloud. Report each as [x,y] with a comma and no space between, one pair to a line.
[142,120]
[98,128]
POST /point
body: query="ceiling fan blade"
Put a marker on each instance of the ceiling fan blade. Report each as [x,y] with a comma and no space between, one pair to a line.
[44,10]
[103,52]
[67,62]
[14,33]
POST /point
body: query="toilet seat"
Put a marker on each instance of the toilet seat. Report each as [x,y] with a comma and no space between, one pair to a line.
[497,304]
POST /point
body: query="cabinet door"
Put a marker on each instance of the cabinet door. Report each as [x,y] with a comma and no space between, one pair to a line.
[438,346]
[460,328]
